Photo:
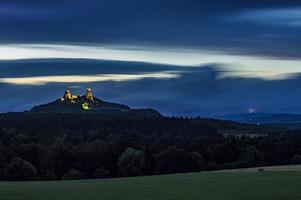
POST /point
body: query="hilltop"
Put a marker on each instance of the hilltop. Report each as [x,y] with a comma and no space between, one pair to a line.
[87,103]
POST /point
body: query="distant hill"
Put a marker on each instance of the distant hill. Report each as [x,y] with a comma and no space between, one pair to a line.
[68,139]
[71,106]
[250,118]
[89,104]
[285,120]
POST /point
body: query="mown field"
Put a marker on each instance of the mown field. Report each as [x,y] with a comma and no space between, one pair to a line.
[191,186]
[284,168]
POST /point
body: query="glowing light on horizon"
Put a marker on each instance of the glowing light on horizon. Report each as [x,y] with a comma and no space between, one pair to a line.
[251,110]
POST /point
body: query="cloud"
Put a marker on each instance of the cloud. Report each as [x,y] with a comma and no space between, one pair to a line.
[242,65]
[290,17]
[43,80]
[172,23]
[26,11]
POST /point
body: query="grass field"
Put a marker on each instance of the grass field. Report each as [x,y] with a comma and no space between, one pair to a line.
[284,168]
[190,186]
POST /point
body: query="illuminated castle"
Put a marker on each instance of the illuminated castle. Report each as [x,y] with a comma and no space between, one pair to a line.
[89,95]
[69,97]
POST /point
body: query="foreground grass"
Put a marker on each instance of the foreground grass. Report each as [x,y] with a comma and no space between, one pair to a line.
[191,186]
[283,168]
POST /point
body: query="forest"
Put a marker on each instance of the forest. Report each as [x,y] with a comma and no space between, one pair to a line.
[88,146]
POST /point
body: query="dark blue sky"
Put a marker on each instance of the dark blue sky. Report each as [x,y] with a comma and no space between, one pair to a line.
[182,57]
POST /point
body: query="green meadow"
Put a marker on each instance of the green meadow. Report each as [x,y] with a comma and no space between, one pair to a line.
[274,185]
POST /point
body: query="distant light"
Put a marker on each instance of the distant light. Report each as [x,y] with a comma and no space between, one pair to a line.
[251,110]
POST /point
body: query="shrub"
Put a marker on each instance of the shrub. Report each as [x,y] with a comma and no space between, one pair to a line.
[296,159]
[20,170]
[173,160]
[102,173]
[198,162]
[47,175]
[212,166]
[253,157]
[2,167]
[131,162]
[73,175]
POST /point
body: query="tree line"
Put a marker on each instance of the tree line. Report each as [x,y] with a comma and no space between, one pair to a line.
[74,146]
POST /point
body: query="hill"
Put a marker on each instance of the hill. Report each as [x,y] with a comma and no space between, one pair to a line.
[89,104]
[280,119]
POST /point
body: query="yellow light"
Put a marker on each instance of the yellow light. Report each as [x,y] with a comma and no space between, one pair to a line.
[85,106]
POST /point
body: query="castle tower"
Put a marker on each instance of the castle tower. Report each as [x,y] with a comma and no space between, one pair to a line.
[89,94]
[67,95]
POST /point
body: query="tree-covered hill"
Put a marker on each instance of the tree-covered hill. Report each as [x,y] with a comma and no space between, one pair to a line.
[46,146]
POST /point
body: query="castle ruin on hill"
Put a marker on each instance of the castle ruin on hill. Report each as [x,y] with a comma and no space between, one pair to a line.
[69,97]
[89,94]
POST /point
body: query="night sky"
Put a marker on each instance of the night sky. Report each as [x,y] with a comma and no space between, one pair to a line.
[182,57]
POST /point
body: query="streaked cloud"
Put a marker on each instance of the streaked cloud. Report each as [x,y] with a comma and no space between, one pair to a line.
[161,55]
[272,16]
[43,80]
[268,76]
[242,65]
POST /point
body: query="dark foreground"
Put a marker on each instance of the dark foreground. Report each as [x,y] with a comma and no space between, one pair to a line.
[204,185]
[52,146]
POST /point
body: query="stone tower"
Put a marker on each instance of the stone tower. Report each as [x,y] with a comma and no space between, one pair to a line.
[67,95]
[89,94]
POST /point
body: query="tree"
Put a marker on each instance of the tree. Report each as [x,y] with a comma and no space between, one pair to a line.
[47,175]
[2,167]
[131,162]
[253,157]
[73,174]
[212,166]
[20,170]
[173,160]
[30,152]
[60,158]
[102,173]
[198,163]
[98,154]
[296,159]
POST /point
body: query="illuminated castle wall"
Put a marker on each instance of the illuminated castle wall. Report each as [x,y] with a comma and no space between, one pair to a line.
[69,97]
[89,94]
